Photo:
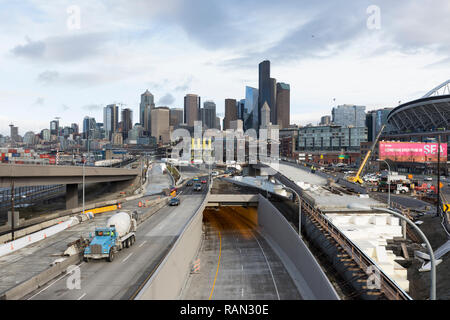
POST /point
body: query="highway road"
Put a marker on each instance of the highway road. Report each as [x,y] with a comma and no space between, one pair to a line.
[237,263]
[122,278]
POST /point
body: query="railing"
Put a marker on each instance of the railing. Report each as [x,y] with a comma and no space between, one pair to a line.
[389,287]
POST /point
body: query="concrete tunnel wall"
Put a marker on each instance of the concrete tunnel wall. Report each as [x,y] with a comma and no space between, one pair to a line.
[307,274]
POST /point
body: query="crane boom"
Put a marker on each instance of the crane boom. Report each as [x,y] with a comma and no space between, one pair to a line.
[357,177]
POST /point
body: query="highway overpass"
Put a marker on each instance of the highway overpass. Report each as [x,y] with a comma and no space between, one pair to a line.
[38,175]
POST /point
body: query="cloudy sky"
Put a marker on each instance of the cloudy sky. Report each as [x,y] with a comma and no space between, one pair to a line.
[53,64]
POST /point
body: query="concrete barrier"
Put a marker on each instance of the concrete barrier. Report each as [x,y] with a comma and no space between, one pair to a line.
[303,268]
[170,276]
[39,280]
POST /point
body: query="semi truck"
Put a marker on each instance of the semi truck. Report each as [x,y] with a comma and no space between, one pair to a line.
[119,233]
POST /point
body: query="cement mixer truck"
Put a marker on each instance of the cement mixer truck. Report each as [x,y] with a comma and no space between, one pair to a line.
[118,234]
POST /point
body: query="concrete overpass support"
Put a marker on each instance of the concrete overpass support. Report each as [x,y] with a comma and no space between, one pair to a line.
[72,196]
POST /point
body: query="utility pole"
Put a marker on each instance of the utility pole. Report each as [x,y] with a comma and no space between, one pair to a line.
[12,209]
[438,205]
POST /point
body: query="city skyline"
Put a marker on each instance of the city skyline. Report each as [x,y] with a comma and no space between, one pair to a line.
[353,64]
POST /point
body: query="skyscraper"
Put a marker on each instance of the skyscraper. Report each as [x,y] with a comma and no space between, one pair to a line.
[175,117]
[54,127]
[110,120]
[191,109]
[265,116]
[267,88]
[349,115]
[230,112]
[147,102]
[283,105]
[208,115]
[240,109]
[127,121]
[14,133]
[273,100]
[160,124]
[75,128]
[251,113]
[89,127]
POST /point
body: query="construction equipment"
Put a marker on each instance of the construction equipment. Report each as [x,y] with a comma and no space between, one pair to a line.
[357,177]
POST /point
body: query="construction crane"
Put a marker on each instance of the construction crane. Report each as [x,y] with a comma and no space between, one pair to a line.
[357,178]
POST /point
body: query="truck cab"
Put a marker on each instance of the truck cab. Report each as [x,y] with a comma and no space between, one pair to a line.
[101,244]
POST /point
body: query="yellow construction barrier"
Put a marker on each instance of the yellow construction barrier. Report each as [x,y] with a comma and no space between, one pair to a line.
[102,209]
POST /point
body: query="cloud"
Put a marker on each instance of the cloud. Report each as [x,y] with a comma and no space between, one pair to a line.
[65,48]
[167,99]
[64,107]
[39,101]
[93,107]
[48,76]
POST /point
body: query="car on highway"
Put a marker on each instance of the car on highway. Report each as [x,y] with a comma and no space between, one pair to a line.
[197,187]
[174,202]
[215,173]
[189,183]
[428,179]
[203,181]
[195,179]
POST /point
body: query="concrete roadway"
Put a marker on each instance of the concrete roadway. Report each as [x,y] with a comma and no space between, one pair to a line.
[237,263]
[121,278]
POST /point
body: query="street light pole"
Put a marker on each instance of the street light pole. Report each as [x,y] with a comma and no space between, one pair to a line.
[389,181]
[430,249]
[416,228]
[299,211]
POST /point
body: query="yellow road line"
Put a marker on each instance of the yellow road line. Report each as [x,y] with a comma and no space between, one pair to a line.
[218,264]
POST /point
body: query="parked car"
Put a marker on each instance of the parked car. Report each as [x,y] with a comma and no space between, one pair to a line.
[174,201]
[197,187]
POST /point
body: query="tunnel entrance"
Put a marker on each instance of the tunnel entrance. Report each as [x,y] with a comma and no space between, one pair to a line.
[235,262]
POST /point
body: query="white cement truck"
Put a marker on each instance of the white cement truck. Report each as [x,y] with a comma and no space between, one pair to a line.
[119,233]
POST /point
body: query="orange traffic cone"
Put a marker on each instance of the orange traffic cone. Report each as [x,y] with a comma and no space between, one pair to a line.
[140,204]
[119,206]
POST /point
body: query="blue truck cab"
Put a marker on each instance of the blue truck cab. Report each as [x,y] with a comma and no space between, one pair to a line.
[101,244]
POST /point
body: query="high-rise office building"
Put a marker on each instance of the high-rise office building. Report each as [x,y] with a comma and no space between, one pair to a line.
[265,116]
[89,127]
[273,100]
[251,113]
[191,109]
[240,109]
[45,134]
[110,120]
[325,121]
[267,89]
[218,123]
[54,127]
[14,133]
[230,112]
[75,128]
[208,115]
[175,117]
[127,121]
[145,108]
[374,121]
[160,124]
[349,116]
[283,105]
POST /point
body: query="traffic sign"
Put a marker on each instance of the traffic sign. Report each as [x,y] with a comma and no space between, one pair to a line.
[446,207]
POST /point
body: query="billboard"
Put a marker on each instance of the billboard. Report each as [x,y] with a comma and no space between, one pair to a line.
[412,151]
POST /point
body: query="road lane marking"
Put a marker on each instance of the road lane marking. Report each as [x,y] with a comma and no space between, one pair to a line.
[64,275]
[270,269]
[142,243]
[82,296]
[218,264]
[127,257]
